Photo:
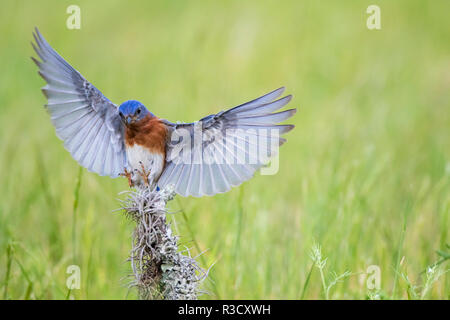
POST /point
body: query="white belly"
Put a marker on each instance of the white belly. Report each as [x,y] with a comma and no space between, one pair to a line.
[153,163]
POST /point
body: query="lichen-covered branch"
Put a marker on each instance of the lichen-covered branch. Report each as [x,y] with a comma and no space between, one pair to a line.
[160,270]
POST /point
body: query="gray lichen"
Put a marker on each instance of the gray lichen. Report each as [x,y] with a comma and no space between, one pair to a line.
[160,270]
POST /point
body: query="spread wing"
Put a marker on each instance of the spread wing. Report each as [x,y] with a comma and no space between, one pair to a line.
[225,149]
[87,122]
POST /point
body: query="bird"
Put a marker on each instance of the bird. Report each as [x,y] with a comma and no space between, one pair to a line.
[196,159]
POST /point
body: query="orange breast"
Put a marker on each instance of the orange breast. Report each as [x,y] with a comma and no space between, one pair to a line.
[150,133]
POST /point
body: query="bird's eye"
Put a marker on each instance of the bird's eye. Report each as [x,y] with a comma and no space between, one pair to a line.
[121,114]
[138,111]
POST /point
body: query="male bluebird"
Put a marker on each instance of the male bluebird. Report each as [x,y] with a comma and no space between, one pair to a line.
[131,141]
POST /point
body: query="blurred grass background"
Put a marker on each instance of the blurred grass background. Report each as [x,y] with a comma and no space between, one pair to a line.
[366,172]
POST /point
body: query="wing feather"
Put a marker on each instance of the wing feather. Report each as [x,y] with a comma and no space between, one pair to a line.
[232,140]
[87,122]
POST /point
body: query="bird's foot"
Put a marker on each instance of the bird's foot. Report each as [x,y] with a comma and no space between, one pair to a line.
[144,174]
[127,174]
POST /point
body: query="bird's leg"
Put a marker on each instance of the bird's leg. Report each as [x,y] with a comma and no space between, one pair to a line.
[144,174]
[127,174]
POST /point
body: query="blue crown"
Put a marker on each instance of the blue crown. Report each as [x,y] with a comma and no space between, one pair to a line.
[130,107]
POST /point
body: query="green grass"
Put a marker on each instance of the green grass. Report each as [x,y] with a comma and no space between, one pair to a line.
[365,173]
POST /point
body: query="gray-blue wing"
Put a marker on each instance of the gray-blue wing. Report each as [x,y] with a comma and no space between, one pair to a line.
[225,149]
[87,122]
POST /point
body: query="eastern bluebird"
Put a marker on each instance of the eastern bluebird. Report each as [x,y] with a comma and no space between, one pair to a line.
[202,158]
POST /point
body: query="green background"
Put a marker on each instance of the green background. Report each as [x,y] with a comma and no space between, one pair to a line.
[365,173]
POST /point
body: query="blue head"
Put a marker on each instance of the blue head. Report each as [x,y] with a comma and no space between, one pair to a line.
[132,111]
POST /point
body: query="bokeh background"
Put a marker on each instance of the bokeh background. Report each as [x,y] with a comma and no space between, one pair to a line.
[365,174]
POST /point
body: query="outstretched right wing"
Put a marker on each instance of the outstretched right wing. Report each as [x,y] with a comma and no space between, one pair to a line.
[87,122]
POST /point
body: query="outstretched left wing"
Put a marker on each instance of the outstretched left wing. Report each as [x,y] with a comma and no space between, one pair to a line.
[225,149]
[87,122]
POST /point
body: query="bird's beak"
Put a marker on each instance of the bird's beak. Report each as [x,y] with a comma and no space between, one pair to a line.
[128,119]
